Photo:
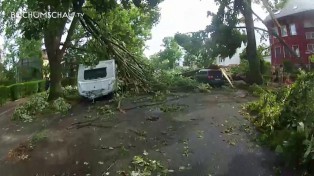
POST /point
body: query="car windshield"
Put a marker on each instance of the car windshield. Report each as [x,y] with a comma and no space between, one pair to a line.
[95,73]
[215,73]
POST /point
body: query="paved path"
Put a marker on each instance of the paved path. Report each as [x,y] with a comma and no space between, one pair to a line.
[208,137]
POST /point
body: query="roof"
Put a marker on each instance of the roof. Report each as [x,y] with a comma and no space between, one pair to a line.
[293,7]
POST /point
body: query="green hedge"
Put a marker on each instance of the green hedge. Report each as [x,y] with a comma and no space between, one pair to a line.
[41,85]
[20,90]
[30,88]
[4,94]
[17,91]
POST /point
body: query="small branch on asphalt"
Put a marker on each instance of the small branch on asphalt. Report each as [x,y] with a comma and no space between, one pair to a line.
[152,104]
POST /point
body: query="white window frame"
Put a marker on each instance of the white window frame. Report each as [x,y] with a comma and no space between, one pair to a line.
[294,27]
[297,51]
[309,35]
[310,47]
[275,50]
[284,31]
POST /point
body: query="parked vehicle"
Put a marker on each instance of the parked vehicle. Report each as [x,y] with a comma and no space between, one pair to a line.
[98,81]
[213,77]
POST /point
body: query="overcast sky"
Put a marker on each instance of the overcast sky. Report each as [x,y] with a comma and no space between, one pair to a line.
[186,16]
[182,16]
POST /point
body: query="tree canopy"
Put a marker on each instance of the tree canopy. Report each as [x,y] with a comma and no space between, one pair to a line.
[98,23]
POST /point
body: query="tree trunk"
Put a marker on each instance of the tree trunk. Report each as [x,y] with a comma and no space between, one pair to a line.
[52,37]
[254,75]
[55,77]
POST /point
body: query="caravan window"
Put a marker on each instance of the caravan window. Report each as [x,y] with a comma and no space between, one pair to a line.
[95,73]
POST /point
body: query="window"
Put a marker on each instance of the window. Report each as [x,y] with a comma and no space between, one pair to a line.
[293,29]
[277,52]
[95,73]
[310,47]
[309,35]
[296,49]
[284,31]
[275,30]
[308,23]
[287,54]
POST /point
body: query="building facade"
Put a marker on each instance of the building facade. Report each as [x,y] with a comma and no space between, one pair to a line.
[296,28]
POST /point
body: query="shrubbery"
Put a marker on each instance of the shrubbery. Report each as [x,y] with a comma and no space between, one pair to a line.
[20,90]
[41,85]
[69,82]
[4,94]
[38,104]
[30,88]
[35,105]
[17,91]
[285,118]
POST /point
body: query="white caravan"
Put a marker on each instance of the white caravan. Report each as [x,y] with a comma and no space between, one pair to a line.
[98,81]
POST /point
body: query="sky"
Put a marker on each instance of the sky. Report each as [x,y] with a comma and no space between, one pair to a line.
[184,16]
[187,16]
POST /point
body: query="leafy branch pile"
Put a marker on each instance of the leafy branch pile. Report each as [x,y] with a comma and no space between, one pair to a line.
[173,82]
[143,166]
[286,120]
[39,104]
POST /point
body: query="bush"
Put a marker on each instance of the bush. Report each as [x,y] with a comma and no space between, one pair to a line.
[286,118]
[17,91]
[36,104]
[4,94]
[30,88]
[69,82]
[61,106]
[41,85]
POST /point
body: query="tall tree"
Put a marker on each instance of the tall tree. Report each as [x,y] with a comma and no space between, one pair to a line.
[53,29]
[197,48]
[168,57]
[226,37]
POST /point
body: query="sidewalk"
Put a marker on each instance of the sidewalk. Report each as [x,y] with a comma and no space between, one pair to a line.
[10,106]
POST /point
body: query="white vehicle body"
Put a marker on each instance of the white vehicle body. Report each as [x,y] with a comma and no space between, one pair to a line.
[98,81]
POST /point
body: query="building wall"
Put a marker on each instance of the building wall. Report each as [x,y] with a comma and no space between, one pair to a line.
[299,39]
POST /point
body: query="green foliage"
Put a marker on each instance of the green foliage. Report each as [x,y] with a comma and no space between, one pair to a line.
[69,82]
[41,85]
[61,106]
[196,47]
[174,82]
[17,91]
[256,90]
[4,94]
[167,59]
[30,88]
[35,105]
[285,118]
[39,137]
[146,167]
[113,29]
[289,67]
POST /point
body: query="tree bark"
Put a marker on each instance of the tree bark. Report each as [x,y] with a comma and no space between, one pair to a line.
[55,77]
[52,37]
[254,75]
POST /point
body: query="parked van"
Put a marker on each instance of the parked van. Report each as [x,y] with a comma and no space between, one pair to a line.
[98,81]
[213,77]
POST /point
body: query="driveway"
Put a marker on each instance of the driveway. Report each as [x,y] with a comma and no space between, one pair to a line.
[199,135]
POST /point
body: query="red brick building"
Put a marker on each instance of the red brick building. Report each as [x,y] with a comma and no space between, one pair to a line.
[296,21]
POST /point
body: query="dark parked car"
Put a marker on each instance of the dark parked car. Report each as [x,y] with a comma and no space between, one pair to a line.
[213,77]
